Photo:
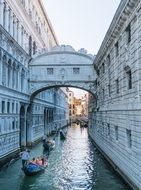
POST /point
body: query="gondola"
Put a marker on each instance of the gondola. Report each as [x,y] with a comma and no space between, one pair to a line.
[49,145]
[32,169]
[62,135]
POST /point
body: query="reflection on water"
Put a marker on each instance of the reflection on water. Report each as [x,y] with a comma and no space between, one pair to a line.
[74,164]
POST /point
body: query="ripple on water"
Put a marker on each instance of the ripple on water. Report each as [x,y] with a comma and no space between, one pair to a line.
[74,164]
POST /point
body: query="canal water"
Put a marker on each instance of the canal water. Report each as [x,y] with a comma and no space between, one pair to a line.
[74,164]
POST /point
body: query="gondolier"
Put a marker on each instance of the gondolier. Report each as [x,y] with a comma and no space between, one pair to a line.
[25,157]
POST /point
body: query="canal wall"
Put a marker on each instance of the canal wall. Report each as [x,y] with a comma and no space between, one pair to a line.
[11,157]
[116,162]
[115,119]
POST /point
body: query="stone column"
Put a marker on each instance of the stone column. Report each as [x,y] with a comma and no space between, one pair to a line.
[1,11]
[6,17]
[14,26]
[19,34]
[22,35]
[11,23]
[16,29]
[1,67]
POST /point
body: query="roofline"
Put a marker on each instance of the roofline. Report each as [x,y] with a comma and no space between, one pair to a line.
[62,52]
[123,4]
[48,21]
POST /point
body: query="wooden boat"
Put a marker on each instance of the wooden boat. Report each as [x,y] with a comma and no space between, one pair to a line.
[32,168]
[49,145]
[62,135]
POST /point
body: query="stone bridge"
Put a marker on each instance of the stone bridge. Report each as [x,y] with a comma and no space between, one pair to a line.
[62,67]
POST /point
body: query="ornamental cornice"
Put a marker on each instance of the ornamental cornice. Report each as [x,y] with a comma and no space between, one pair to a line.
[123,13]
[88,56]
[7,37]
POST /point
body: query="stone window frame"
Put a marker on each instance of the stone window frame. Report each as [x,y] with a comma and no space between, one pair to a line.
[3,106]
[103,67]
[4,70]
[116,132]
[128,73]
[76,70]
[128,33]
[13,106]
[50,71]
[109,90]
[117,49]
[129,138]
[8,106]
[108,60]
[117,85]
[108,129]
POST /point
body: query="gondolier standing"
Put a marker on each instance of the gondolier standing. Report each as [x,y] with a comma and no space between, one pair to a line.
[25,157]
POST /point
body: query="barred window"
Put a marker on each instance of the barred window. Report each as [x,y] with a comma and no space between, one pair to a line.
[108,60]
[128,77]
[76,70]
[8,107]
[108,129]
[116,132]
[128,34]
[103,68]
[117,49]
[117,86]
[129,138]
[3,107]
[50,71]
[109,90]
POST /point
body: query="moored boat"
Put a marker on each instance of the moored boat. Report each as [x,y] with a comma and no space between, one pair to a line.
[62,135]
[32,168]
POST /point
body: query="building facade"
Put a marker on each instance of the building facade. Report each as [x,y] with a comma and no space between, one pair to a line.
[115,120]
[25,31]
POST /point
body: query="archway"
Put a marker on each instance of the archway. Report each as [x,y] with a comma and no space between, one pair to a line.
[28,126]
[45,121]
[22,136]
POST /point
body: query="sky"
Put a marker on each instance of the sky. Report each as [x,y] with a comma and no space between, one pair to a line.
[81,23]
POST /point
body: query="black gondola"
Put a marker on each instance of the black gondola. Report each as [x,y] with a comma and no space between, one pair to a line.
[62,135]
[48,147]
[32,169]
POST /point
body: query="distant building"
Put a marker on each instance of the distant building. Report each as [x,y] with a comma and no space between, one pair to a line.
[77,106]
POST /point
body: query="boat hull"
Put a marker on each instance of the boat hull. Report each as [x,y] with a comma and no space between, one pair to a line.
[33,169]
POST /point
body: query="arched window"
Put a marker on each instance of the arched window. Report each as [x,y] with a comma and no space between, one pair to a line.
[9,72]
[14,75]
[4,65]
[22,79]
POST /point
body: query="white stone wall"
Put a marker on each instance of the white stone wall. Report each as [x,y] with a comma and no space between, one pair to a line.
[25,31]
[116,122]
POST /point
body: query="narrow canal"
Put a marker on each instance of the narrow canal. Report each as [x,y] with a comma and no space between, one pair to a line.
[74,164]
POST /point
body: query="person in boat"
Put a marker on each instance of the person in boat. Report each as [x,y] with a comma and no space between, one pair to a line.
[62,134]
[25,157]
[33,160]
[41,161]
[38,160]
[44,138]
[46,145]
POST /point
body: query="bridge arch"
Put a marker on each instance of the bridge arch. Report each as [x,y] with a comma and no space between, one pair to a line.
[62,66]
[78,86]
